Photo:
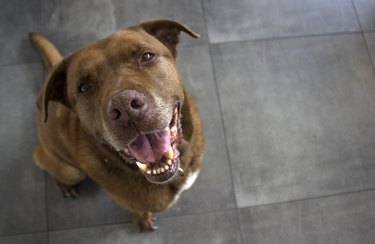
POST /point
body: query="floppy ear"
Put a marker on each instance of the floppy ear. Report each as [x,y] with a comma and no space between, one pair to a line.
[167,32]
[54,88]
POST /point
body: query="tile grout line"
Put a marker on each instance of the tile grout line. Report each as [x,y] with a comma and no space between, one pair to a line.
[226,145]
[132,224]
[342,194]
[277,38]
[222,122]
[363,36]
[291,37]
[23,234]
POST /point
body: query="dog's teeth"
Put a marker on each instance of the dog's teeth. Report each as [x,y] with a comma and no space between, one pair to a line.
[166,167]
[169,153]
[154,171]
[148,172]
[181,171]
[158,171]
[169,162]
[142,167]
[162,170]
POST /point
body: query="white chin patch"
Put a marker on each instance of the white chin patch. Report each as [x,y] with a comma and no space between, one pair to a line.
[188,183]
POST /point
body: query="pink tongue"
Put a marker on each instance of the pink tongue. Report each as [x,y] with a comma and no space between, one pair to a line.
[150,147]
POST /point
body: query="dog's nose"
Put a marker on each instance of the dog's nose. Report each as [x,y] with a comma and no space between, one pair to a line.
[127,104]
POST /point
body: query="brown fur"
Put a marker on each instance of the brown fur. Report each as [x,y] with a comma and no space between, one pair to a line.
[72,126]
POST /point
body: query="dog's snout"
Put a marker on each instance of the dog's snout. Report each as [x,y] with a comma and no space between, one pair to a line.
[127,104]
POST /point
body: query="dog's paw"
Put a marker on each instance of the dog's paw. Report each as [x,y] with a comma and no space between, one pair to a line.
[67,191]
[145,221]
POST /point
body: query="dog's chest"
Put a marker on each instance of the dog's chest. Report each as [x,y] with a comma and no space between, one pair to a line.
[188,183]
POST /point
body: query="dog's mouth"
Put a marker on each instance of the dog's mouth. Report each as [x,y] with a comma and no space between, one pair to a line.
[156,153]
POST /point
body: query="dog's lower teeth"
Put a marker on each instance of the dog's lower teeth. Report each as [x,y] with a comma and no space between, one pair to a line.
[163,167]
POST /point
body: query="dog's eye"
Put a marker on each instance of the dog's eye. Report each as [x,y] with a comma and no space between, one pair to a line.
[84,87]
[147,57]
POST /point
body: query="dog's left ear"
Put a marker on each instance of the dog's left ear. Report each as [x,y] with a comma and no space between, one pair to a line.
[54,88]
[167,32]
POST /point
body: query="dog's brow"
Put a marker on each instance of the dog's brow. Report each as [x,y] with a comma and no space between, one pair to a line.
[132,50]
[85,75]
[89,68]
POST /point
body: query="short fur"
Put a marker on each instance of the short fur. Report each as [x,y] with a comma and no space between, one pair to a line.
[76,138]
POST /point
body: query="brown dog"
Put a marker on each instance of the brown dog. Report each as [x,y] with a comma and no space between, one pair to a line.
[115,111]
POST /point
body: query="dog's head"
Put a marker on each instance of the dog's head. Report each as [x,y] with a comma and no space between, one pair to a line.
[127,93]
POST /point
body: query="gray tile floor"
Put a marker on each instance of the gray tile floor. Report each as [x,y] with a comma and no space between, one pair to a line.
[287,93]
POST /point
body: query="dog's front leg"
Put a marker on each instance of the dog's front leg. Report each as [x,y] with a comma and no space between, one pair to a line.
[144,220]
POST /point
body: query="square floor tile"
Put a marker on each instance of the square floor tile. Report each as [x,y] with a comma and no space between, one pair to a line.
[242,20]
[368,130]
[299,114]
[22,208]
[17,19]
[207,228]
[73,24]
[339,219]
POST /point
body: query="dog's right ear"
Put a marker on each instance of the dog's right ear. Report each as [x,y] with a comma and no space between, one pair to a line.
[54,88]
[167,32]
